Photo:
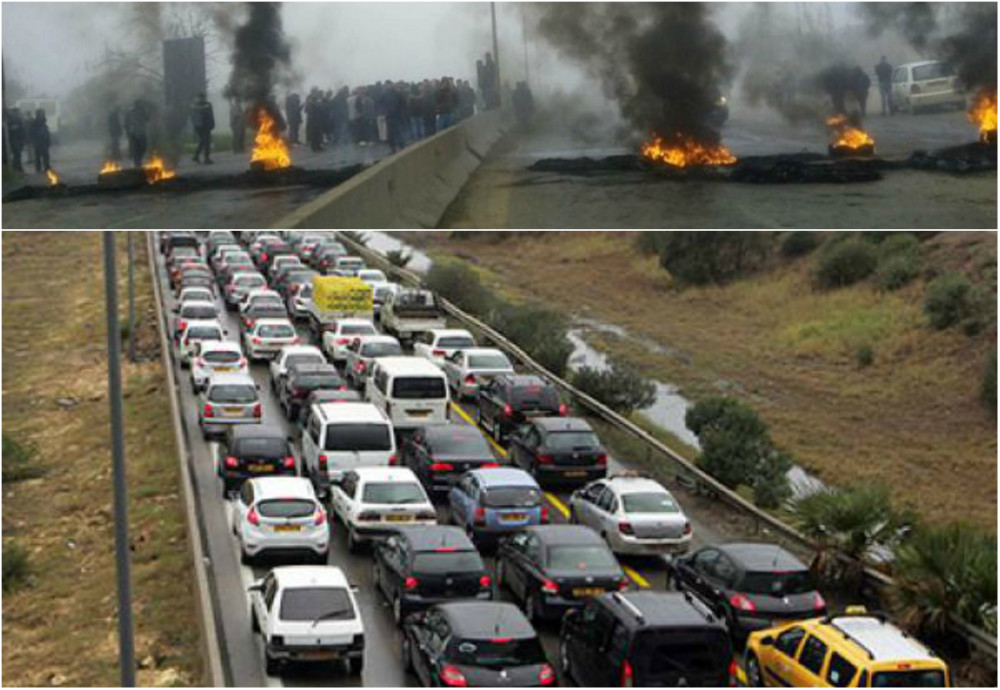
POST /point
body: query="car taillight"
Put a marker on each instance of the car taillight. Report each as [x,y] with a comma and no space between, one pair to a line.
[623,584]
[628,678]
[441,467]
[243,362]
[411,584]
[740,602]
[602,460]
[359,367]
[470,379]
[479,517]
[256,341]
[253,518]
[485,582]
[550,587]
[452,677]
[393,460]
[343,387]
[818,602]
[545,515]
[263,257]
[232,463]
[438,353]
[300,393]
[290,463]
[182,325]
[489,466]
[343,341]
[734,672]
[563,410]
[322,462]
[320,517]
[258,410]
[545,459]
[295,340]
[546,676]
[626,528]
[508,411]
[208,410]
[368,517]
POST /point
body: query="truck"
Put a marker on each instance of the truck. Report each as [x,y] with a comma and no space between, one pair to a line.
[336,298]
[408,312]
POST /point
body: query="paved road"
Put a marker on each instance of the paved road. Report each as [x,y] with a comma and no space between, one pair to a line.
[242,650]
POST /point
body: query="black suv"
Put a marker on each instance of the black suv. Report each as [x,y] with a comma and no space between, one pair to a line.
[753,586]
[250,451]
[302,379]
[510,400]
[558,450]
[645,639]
[440,455]
[421,566]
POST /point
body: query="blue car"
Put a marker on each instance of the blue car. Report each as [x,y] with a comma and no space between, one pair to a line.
[491,503]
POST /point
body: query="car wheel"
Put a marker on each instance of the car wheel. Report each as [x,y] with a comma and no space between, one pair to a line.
[272,667]
[754,678]
[245,558]
[573,519]
[531,610]
[356,665]
[406,652]
[352,541]
[501,575]
[397,609]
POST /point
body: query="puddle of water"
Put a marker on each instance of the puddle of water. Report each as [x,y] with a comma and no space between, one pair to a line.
[383,243]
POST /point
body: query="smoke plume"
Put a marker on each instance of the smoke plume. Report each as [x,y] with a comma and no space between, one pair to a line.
[663,63]
[260,55]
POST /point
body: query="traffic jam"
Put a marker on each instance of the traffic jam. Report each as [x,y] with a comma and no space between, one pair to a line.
[388,502]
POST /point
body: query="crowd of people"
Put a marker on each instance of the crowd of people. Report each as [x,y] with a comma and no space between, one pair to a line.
[31,132]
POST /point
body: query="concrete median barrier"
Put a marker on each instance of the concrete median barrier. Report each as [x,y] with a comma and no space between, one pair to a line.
[410,189]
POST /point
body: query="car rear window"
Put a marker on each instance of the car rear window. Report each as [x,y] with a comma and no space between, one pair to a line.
[269,301]
[456,342]
[649,502]
[239,260]
[489,361]
[374,350]
[314,603]
[512,497]
[419,388]
[249,280]
[203,333]
[306,291]
[360,437]
[935,70]
[664,657]
[778,584]
[270,448]
[196,295]
[535,396]
[908,679]
[222,357]
[498,653]
[286,508]
[304,358]
[580,557]
[462,443]
[233,393]
[393,493]
[198,312]
[571,440]
[314,381]
[358,329]
[442,563]
[275,331]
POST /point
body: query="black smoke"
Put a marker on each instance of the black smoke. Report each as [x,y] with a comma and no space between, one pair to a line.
[260,56]
[663,63]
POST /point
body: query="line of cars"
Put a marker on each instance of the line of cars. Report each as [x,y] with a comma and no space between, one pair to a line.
[378,446]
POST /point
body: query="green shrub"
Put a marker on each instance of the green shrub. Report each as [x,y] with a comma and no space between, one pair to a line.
[16,568]
[845,263]
[770,487]
[952,299]
[649,243]
[896,271]
[399,257]
[799,243]
[20,460]
[898,243]
[460,285]
[620,387]
[539,331]
[699,258]
[866,357]
[988,392]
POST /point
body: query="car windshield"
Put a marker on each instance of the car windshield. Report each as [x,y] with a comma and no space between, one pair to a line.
[535,396]
[286,508]
[375,350]
[196,295]
[358,329]
[268,301]
[499,653]
[276,331]
[393,493]
[249,280]
[304,358]
[512,497]
[456,342]
[316,603]
[239,260]
[199,311]
[233,393]
[663,657]
[935,70]
[419,388]
[571,440]
[649,502]
[359,437]
[580,557]
[778,584]
[222,356]
[489,361]
[314,381]
[908,679]
[464,443]
[270,448]
[444,562]
[203,333]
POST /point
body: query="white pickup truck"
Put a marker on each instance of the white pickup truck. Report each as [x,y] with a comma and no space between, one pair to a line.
[409,312]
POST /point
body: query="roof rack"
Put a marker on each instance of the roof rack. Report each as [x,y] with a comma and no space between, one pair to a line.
[632,608]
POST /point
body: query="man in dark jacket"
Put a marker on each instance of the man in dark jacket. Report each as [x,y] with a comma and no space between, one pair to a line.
[883,70]
[115,133]
[16,135]
[237,124]
[293,113]
[137,131]
[860,83]
[339,114]
[203,122]
[38,130]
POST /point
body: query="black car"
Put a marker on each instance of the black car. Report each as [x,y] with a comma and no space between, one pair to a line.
[261,311]
[302,379]
[421,566]
[474,644]
[753,586]
[252,450]
[510,400]
[196,280]
[645,639]
[178,238]
[321,397]
[551,569]
[323,259]
[559,450]
[439,455]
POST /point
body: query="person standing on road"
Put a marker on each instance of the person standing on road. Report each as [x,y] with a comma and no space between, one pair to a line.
[203,122]
[446,104]
[16,137]
[237,124]
[137,131]
[293,113]
[115,133]
[339,114]
[860,84]
[40,140]
[883,70]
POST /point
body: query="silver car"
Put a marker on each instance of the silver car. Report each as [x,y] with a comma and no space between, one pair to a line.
[228,399]
[467,369]
[362,353]
[634,514]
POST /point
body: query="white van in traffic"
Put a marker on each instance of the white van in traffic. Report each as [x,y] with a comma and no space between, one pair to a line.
[411,391]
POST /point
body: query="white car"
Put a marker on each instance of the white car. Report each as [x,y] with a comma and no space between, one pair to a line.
[372,276]
[635,515]
[348,265]
[374,502]
[228,399]
[254,297]
[267,337]
[381,292]
[300,300]
[280,515]
[362,353]
[307,613]
[193,311]
[195,294]
[438,345]
[336,340]
[239,285]
[925,84]
[468,369]
[293,354]
[216,357]
[196,332]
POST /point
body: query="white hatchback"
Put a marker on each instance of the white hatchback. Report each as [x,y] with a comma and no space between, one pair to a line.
[280,515]
[267,337]
[342,334]
[374,502]
[438,345]
[195,333]
[216,357]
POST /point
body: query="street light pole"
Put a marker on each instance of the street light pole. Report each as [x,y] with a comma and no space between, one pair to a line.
[126,642]
[131,299]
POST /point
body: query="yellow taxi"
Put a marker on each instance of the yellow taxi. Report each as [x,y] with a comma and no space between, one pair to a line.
[855,650]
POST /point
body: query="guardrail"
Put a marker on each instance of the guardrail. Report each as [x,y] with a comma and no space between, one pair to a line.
[215,674]
[978,639]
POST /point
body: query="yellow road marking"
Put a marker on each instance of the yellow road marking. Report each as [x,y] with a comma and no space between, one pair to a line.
[468,418]
[557,504]
[637,578]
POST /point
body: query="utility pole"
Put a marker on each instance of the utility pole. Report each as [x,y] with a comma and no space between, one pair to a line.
[496,46]
[126,641]
[131,298]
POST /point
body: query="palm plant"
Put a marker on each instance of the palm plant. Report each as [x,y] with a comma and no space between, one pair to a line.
[399,257]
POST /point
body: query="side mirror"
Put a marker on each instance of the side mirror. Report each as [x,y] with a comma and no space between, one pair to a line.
[256,587]
[257,386]
[290,438]
[176,310]
[767,641]
[225,332]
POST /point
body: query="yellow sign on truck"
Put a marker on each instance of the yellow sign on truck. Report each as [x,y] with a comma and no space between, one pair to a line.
[342,295]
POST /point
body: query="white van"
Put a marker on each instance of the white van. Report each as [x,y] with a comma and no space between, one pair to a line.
[411,391]
[343,436]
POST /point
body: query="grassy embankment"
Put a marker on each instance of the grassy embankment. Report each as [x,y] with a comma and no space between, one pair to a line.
[60,622]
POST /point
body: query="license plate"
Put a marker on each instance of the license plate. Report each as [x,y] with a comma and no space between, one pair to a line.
[232,412]
[513,517]
[224,370]
[587,592]
[318,656]
[287,528]
[261,468]
[398,518]
[575,473]
[418,413]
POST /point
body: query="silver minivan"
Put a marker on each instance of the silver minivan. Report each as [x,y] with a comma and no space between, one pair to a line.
[228,399]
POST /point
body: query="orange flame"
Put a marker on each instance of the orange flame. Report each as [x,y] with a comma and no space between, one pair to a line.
[684,151]
[848,136]
[110,167]
[53,178]
[984,114]
[156,170]
[269,149]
